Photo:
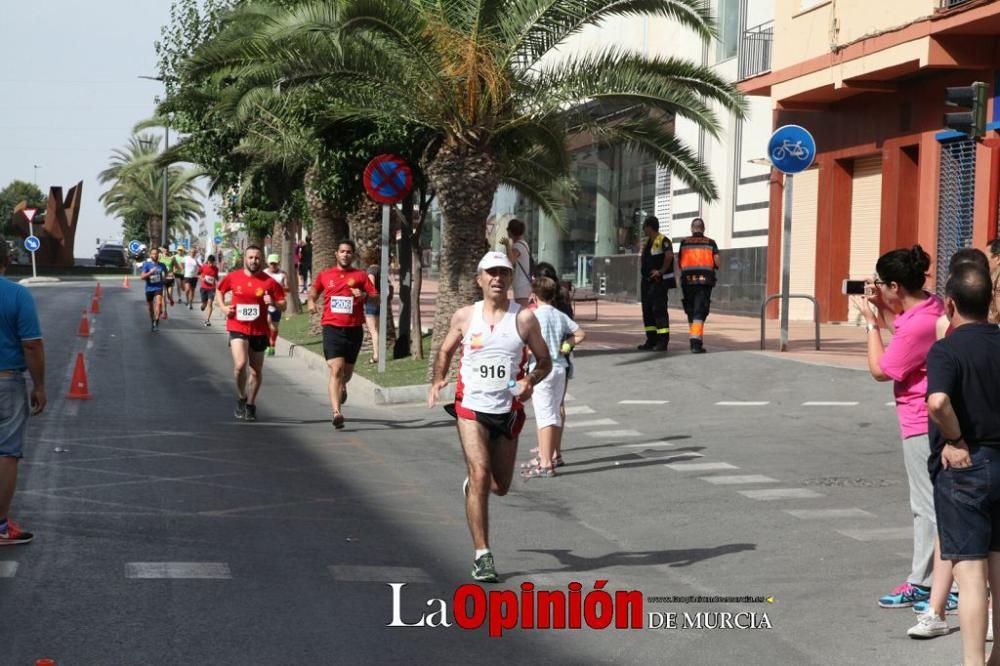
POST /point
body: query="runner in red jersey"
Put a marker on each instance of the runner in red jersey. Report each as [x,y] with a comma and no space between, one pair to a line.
[209,272]
[345,290]
[246,321]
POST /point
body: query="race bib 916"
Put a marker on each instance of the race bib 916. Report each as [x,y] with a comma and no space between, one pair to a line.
[247,312]
[487,374]
[341,304]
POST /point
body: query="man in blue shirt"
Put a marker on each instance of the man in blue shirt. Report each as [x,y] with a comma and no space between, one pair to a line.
[20,349]
[154,272]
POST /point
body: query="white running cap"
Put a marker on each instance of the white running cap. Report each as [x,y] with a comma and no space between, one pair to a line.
[494,260]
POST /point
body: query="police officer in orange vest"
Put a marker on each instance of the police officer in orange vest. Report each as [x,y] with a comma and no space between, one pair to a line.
[698,258]
[657,267]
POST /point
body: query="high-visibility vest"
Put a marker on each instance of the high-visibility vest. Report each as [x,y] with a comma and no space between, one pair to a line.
[696,259]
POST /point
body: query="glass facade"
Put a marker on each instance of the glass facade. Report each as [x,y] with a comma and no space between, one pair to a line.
[617,188]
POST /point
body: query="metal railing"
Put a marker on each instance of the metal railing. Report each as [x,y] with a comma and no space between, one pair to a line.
[948,4]
[763,309]
[755,50]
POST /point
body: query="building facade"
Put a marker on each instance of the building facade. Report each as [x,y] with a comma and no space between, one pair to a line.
[618,188]
[868,80]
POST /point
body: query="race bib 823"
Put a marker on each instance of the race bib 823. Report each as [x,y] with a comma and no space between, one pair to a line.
[247,312]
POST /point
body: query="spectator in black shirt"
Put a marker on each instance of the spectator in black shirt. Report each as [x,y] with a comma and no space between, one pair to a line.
[963,400]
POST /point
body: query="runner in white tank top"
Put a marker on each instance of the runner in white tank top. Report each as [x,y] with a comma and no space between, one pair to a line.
[492,334]
[491,357]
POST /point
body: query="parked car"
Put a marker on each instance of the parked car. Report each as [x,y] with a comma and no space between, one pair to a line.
[111,254]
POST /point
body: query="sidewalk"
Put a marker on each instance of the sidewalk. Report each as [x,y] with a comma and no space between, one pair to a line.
[618,327]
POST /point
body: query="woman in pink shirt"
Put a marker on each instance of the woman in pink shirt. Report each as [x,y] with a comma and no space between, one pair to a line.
[897,294]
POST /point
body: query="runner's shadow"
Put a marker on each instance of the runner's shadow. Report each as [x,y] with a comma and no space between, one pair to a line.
[642,558]
[652,443]
[399,425]
[631,462]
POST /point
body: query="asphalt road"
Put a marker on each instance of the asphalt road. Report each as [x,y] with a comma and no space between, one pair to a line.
[168,533]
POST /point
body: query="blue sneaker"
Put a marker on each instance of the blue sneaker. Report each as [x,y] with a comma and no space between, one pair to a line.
[950,606]
[904,596]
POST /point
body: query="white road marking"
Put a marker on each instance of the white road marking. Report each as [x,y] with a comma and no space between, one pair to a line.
[740,403]
[591,423]
[780,494]
[738,479]
[891,404]
[378,574]
[643,402]
[650,445]
[569,398]
[699,466]
[579,409]
[829,403]
[8,569]
[614,433]
[880,534]
[216,570]
[819,514]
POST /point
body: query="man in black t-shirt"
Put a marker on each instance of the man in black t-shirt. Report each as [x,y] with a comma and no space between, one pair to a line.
[963,400]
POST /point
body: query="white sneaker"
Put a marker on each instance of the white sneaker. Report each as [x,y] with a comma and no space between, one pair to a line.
[928,625]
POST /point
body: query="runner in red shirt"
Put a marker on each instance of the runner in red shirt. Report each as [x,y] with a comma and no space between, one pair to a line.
[345,290]
[209,273]
[246,321]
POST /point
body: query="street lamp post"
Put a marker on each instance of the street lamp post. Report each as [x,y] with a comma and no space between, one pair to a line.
[166,173]
[36,168]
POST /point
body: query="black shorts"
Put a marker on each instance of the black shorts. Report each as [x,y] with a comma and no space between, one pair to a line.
[150,295]
[343,342]
[191,282]
[507,425]
[168,282]
[207,295]
[258,343]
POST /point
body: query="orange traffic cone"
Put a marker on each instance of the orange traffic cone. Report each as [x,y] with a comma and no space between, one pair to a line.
[125,282]
[95,305]
[78,388]
[97,291]
[84,326]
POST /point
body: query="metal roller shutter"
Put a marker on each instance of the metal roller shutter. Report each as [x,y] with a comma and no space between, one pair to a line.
[866,221]
[803,260]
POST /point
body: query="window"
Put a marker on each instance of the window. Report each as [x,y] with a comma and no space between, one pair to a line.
[729,29]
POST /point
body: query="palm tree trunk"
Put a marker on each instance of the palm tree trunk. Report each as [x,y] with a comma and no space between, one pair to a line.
[282,245]
[416,326]
[366,229]
[465,185]
[328,226]
[154,227]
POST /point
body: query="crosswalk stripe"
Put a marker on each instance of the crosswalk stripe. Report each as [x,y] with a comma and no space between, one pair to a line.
[643,402]
[738,479]
[742,403]
[201,570]
[579,409]
[817,514]
[590,424]
[780,494]
[699,466]
[829,403]
[8,569]
[650,445]
[880,534]
[611,434]
[377,574]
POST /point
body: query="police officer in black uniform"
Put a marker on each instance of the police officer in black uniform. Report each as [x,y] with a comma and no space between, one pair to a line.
[657,266]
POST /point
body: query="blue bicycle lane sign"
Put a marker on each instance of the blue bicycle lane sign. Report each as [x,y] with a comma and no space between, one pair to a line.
[791,149]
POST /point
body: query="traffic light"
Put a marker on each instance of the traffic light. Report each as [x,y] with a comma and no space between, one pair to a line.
[973,121]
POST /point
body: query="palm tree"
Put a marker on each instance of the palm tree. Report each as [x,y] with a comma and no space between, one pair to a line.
[481,78]
[137,189]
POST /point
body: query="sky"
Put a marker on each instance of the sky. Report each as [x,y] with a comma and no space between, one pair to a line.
[71,94]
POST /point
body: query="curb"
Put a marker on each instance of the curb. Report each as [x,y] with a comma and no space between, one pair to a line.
[365,390]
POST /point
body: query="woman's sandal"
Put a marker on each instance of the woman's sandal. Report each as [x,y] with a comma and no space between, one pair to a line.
[534,462]
[538,473]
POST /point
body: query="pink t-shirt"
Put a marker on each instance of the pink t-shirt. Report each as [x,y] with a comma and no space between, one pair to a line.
[905,362]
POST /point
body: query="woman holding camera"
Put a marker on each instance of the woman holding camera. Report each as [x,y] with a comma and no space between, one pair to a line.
[896,294]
